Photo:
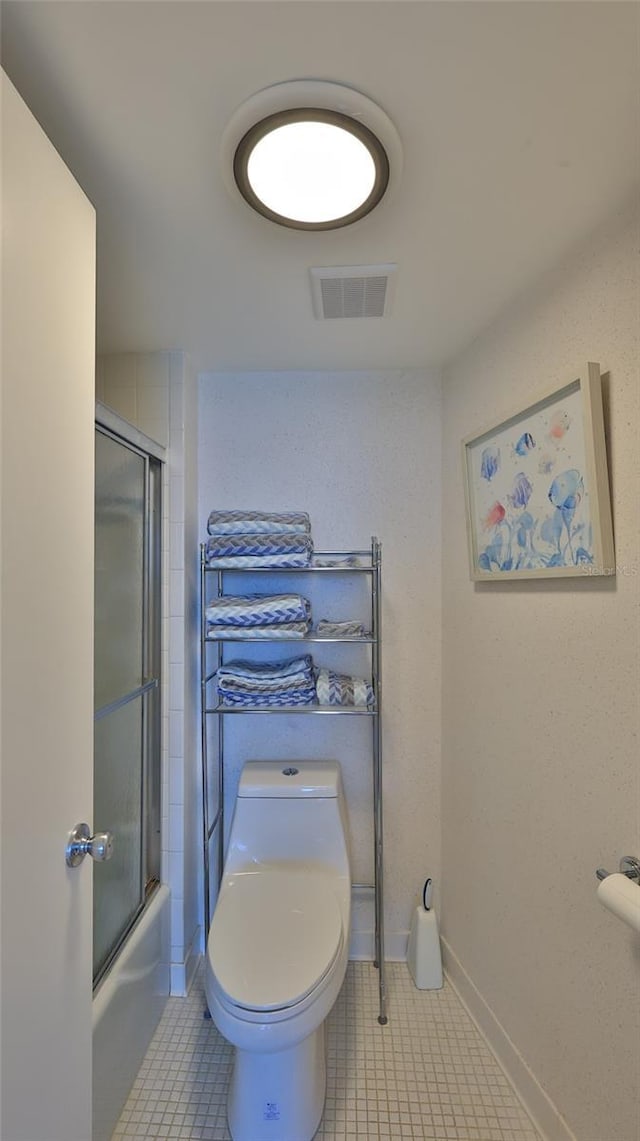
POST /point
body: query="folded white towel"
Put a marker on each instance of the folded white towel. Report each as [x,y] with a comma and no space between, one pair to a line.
[281,630]
[257,522]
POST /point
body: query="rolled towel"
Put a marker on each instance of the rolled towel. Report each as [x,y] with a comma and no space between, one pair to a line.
[362,692]
[347,629]
[258,522]
[337,561]
[340,689]
[258,610]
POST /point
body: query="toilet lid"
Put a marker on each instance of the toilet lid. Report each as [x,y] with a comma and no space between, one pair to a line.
[274,936]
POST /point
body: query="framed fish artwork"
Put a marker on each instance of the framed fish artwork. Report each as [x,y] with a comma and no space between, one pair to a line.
[537,489]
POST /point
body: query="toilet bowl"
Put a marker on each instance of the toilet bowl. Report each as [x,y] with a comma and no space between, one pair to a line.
[278,945]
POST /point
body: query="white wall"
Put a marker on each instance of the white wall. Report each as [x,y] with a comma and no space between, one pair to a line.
[361,453]
[540,726]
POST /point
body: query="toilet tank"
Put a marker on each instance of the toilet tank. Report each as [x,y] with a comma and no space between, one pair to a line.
[290,811]
[289,780]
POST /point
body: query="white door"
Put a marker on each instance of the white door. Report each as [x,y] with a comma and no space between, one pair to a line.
[47,433]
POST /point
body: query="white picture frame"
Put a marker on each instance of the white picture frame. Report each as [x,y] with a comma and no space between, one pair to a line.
[537,491]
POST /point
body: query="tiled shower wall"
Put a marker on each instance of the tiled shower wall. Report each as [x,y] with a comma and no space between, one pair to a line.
[157,393]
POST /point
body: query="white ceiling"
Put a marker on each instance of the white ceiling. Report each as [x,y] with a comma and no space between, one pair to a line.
[520,130]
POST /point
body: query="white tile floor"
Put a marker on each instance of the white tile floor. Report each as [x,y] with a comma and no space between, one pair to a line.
[428,1074]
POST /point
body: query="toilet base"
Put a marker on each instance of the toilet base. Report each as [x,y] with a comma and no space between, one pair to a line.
[279,1096]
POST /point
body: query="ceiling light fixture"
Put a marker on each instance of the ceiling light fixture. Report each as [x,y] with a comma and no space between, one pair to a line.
[310,168]
[311,154]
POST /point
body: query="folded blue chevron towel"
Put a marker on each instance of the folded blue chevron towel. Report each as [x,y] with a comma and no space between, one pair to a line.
[251,610]
[282,550]
[267,671]
[258,522]
[256,684]
[269,701]
[229,546]
[275,685]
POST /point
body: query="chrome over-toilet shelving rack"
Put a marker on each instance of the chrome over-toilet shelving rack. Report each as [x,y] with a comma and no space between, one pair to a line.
[212,584]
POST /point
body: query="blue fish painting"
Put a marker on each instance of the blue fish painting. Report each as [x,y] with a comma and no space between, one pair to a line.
[522,489]
[524,532]
[525,444]
[490,463]
[529,495]
[566,491]
[565,494]
[523,538]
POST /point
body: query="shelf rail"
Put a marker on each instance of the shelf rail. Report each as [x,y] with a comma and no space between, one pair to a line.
[351,562]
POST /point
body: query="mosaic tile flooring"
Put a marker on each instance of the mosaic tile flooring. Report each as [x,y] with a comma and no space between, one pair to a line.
[427,1075]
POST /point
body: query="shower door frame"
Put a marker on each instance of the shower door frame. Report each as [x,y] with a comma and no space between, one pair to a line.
[109,424]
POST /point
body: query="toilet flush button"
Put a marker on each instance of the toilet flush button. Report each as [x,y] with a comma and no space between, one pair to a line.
[290,771]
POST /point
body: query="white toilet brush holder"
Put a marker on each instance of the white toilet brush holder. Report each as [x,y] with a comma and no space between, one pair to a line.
[423,950]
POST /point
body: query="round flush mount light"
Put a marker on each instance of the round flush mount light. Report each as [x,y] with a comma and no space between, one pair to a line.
[311,155]
[311,168]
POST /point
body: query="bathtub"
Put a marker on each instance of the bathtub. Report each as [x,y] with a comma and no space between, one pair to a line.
[126,1010]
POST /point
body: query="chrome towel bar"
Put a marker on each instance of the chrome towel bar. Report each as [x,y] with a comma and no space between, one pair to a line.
[629,867]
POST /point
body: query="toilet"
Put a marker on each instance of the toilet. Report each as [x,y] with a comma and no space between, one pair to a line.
[279,943]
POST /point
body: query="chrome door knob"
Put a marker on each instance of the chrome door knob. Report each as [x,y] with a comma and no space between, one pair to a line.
[81,843]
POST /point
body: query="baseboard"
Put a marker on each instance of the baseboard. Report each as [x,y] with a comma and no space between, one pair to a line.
[193,958]
[183,974]
[362,946]
[544,1114]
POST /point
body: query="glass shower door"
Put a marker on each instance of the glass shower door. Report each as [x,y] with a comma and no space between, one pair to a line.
[126,695]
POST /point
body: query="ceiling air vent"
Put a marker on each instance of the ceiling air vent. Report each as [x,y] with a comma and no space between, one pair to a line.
[352,290]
